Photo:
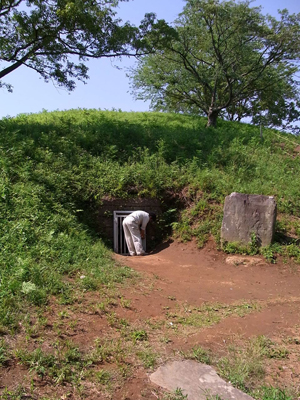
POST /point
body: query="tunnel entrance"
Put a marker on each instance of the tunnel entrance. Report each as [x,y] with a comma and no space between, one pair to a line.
[120,246]
[111,213]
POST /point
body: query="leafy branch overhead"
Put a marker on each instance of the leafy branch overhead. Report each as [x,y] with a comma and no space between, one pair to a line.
[48,36]
[225,59]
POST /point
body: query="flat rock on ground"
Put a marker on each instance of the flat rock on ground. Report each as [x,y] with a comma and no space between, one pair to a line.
[197,381]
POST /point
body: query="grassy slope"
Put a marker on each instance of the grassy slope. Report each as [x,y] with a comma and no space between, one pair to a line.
[55,166]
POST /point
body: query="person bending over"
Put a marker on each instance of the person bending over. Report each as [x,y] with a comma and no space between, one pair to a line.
[134,226]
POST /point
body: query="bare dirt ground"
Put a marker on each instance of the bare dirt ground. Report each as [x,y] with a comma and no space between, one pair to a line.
[179,276]
[196,277]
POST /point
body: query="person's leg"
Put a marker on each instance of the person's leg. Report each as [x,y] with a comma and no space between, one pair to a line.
[128,239]
[137,240]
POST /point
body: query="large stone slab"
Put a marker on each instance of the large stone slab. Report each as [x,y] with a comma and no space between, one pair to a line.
[197,381]
[246,214]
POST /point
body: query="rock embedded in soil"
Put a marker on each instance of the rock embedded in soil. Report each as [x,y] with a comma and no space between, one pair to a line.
[197,381]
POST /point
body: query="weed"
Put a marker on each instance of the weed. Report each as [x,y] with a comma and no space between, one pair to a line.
[4,353]
[107,351]
[155,324]
[176,395]
[139,335]
[103,377]
[90,283]
[113,319]
[17,394]
[244,367]
[201,355]
[292,340]
[73,324]
[148,357]
[125,303]
[293,251]
[165,339]
[64,366]
[101,307]
[238,248]
[271,393]
[213,397]
[63,314]
[208,314]
[66,298]
[278,353]
[37,361]
[125,370]
[269,254]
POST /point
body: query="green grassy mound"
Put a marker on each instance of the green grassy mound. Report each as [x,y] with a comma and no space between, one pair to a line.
[56,167]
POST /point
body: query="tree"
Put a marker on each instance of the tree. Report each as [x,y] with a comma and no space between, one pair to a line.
[225,58]
[49,35]
[277,105]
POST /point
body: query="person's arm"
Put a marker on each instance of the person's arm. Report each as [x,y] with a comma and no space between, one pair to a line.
[143,226]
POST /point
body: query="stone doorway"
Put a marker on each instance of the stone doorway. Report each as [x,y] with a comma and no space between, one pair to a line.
[106,220]
[120,246]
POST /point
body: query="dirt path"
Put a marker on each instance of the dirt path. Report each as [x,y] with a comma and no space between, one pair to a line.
[180,276]
[202,276]
[195,277]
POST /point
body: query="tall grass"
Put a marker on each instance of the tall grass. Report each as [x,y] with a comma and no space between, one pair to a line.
[55,168]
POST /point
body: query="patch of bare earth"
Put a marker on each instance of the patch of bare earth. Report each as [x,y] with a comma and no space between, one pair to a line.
[177,279]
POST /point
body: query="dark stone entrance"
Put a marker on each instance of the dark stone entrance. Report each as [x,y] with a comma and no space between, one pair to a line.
[105,222]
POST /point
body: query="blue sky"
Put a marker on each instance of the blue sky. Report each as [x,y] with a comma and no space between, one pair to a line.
[108,86]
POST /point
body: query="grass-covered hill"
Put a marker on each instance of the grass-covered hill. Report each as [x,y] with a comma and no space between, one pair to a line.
[57,167]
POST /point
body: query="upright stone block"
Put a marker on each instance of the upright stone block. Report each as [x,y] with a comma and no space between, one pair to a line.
[246,214]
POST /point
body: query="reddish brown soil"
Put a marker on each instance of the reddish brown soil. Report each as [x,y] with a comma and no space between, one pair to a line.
[198,276]
[179,274]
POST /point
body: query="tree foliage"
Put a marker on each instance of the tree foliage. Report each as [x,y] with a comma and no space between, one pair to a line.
[225,59]
[56,37]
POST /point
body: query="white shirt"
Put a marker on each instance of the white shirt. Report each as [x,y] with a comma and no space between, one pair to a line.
[141,218]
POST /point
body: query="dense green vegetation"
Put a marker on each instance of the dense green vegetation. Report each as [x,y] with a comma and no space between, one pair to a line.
[56,167]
